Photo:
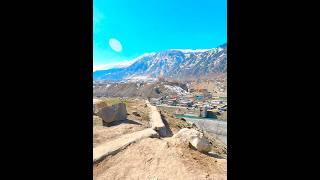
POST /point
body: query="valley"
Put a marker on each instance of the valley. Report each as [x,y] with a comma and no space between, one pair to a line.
[162,117]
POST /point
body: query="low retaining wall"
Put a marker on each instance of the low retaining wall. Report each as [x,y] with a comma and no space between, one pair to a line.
[156,122]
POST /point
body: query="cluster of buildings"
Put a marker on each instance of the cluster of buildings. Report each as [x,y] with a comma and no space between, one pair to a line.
[203,98]
[203,101]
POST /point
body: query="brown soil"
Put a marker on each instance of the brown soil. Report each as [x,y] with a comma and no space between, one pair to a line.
[138,107]
[133,123]
[174,124]
[102,134]
[153,158]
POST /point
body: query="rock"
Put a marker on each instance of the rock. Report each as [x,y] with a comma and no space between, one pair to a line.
[201,144]
[186,134]
[163,132]
[194,138]
[113,113]
[97,105]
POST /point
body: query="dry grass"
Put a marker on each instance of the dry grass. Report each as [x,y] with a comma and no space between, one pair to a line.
[174,123]
[112,101]
[97,121]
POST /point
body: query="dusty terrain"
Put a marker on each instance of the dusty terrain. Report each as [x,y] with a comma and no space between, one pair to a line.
[102,134]
[160,159]
[132,124]
[175,124]
[156,89]
[155,158]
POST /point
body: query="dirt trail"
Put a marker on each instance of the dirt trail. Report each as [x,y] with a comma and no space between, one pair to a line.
[150,158]
[154,158]
[103,134]
[123,141]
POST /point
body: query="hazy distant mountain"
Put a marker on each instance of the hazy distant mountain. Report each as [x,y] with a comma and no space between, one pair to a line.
[173,63]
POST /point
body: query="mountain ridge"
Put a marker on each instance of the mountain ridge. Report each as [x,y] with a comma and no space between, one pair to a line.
[172,63]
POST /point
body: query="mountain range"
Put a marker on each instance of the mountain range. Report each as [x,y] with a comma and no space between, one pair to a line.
[173,63]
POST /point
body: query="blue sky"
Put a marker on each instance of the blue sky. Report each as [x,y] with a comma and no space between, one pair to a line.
[141,26]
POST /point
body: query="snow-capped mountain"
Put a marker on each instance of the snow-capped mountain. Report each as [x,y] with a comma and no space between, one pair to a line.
[173,63]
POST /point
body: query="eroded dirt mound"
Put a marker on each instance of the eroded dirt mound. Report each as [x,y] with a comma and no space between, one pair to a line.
[153,158]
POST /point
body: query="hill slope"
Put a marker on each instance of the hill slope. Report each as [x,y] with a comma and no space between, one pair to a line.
[174,63]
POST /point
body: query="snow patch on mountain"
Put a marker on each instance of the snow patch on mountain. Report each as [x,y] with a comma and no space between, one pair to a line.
[122,64]
[176,89]
[191,50]
[177,63]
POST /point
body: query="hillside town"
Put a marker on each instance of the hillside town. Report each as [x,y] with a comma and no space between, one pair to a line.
[205,98]
[160,90]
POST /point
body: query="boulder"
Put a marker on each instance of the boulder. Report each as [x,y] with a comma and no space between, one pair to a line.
[186,134]
[113,113]
[201,144]
[97,105]
[194,138]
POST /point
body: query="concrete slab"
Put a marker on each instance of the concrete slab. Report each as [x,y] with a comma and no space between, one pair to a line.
[114,146]
[156,122]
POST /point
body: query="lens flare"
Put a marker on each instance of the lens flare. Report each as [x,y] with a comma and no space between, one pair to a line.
[115,45]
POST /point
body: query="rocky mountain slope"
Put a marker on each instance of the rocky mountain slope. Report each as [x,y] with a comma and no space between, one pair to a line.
[174,63]
[140,89]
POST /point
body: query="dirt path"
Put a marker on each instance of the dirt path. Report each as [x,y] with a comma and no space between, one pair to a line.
[125,150]
[160,159]
[111,147]
[103,134]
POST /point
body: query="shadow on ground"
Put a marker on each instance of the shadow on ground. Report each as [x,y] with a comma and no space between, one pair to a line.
[215,155]
[169,132]
[125,121]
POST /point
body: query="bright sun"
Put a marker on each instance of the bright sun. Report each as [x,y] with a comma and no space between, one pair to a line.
[115,45]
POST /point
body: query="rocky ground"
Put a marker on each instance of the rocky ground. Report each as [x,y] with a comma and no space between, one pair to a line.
[155,158]
[137,120]
[144,90]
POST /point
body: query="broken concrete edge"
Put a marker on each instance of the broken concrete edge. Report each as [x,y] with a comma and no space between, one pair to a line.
[156,122]
[115,151]
[98,160]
